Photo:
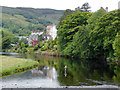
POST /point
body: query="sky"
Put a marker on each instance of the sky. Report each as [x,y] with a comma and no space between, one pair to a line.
[61,4]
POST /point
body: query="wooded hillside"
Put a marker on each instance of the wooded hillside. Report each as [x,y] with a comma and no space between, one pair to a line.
[23,20]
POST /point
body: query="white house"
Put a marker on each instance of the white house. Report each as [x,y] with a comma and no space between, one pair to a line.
[52,31]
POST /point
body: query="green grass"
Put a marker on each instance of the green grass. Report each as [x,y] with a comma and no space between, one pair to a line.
[11,65]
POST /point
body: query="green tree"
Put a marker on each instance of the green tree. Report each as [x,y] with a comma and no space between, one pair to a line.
[78,8]
[66,12]
[69,26]
[103,35]
[7,38]
[24,40]
[40,44]
[15,40]
[85,7]
[22,45]
[6,42]
[40,38]
[80,43]
[94,19]
[116,47]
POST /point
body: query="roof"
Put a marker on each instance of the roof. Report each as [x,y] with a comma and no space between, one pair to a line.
[49,27]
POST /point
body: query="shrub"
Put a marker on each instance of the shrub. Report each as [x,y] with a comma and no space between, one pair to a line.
[36,47]
[30,50]
[24,50]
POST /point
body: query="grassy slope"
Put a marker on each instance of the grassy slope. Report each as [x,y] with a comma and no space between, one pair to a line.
[11,65]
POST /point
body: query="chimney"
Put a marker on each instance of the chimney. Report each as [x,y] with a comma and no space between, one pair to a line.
[106,9]
[101,7]
[35,31]
[38,31]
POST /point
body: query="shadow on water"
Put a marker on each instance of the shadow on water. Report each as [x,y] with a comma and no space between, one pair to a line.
[72,72]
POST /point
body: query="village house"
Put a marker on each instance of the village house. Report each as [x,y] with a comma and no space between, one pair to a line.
[51,32]
[33,37]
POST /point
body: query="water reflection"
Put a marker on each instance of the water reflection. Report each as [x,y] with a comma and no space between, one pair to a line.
[74,72]
[65,70]
[46,72]
[32,79]
[68,72]
[85,73]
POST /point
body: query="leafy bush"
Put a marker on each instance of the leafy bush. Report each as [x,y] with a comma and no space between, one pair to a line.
[24,40]
[40,44]
[55,47]
[22,45]
[18,50]
[24,50]
[36,47]
[45,47]
[30,50]
[116,46]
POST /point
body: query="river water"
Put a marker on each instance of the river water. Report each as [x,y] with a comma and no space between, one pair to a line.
[55,72]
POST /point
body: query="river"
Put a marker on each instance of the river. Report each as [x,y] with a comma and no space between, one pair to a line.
[55,72]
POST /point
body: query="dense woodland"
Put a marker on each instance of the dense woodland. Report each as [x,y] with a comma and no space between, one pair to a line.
[96,35]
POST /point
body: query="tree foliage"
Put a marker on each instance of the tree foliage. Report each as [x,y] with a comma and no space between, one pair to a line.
[116,46]
[103,35]
[85,7]
[22,45]
[93,20]
[7,39]
[24,40]
[90,36]
[69,26]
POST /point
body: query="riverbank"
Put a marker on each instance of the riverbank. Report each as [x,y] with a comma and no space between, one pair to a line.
[11,65]
[51,53]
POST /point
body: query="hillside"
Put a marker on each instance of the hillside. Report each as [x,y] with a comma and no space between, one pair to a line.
[23,20]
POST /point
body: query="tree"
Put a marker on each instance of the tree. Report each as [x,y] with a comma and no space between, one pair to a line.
[24,40]
[116,47]
[22,45]
[40,38]
[6,42]
[94,19]
[7,38]
[80,43]
[66,12]
[15,40]
[69,26]
[78,8]
[85,7]
[103,35]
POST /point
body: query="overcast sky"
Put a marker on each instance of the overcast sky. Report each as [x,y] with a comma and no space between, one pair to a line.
[61,4]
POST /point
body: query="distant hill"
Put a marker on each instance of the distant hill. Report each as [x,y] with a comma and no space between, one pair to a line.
[23,20]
